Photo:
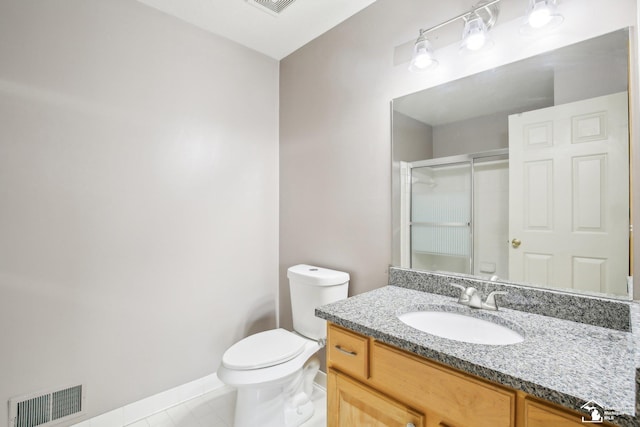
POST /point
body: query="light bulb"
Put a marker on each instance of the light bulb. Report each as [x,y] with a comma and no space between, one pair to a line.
[476,41]
[539,16]
[423,60]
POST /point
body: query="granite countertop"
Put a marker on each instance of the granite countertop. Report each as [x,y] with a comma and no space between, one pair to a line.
[562,361]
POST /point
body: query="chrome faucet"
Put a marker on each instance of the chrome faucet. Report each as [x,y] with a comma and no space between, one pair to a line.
[471,297]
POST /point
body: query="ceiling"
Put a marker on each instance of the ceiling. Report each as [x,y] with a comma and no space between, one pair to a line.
[256,28]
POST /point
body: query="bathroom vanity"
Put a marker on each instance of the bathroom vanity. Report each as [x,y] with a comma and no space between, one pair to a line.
[382,372]
[378,384]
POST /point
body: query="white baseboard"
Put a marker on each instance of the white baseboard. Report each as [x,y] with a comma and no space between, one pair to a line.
[321,380]
[159,402]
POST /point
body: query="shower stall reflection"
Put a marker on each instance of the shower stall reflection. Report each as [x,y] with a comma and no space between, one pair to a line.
[456,214]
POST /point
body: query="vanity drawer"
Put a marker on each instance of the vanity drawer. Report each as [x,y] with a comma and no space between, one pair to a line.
[538,414]
[456,398]
[348,352]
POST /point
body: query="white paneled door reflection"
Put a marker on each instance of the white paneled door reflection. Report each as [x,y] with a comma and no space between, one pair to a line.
[569,195]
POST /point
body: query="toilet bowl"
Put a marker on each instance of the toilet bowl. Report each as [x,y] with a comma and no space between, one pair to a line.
[274,370]
[274,381]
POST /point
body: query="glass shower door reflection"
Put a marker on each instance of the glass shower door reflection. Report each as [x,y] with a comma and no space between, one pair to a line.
[441,232]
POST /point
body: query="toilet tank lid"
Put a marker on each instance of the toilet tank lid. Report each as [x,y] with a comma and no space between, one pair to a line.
[317,276]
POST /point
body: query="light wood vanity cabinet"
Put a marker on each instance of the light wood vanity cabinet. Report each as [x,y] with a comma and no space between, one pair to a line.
[374,384]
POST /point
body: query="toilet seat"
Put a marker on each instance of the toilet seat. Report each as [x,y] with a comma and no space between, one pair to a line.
[264,349]
[277,373]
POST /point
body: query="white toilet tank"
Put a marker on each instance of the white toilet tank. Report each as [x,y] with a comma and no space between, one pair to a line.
[312,287]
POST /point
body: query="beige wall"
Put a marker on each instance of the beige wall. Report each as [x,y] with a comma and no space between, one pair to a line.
[473,135]
[138,188]
[334,156]
[412,139]
[334,124]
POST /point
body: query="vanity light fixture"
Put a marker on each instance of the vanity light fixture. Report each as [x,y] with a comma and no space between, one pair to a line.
[478,21]
[541,14]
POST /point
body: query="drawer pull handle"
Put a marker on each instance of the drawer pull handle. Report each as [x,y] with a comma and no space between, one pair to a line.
[411,425]
[347,352]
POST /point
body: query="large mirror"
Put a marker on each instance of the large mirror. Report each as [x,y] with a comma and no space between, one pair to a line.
[520,173]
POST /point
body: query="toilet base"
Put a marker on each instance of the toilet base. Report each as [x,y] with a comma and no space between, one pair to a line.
[285,403]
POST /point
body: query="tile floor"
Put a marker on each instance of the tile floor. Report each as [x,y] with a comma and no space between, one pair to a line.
[215,409]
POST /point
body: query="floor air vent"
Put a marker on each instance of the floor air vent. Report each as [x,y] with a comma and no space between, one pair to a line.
[45,408]
[274,7]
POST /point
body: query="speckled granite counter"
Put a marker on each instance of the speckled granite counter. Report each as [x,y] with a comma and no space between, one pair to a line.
[562,361]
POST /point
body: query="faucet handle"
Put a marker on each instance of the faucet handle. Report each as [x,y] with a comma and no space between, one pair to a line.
[463,298]
[490,302]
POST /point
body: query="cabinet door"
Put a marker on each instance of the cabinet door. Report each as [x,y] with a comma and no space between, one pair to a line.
[354,404]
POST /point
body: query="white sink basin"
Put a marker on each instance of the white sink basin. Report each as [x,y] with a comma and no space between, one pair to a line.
[460,327]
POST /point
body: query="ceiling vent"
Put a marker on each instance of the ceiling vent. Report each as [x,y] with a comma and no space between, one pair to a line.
[273,7]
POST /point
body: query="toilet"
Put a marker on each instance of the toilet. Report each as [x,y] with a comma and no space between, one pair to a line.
[274,370]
